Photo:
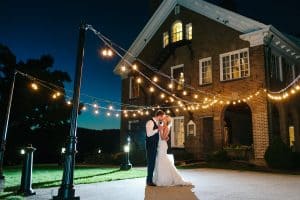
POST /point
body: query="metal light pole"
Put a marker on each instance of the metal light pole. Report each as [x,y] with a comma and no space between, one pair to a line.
[4,134]
[66,190]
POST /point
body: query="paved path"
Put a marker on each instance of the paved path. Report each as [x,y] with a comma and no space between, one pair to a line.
[209,184]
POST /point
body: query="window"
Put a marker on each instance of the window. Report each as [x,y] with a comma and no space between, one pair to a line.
[177,73]
[234,65]
[276,67]
[177,10]
[165,39]
[191,128]
[177,31]
[189,31]
[134,88]
[205,71]
[177,132]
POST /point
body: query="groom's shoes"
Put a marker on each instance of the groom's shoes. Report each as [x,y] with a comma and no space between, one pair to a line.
[151,184]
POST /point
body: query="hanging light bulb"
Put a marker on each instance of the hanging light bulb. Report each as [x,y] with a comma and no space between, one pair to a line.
[96,112]
[69,102]
[155,79]
[195,96]
[110,107]
[117,115]
[123,68]
[151,89]
[139,80]
[34,86]
[170,86]
[134,67]
[84,108]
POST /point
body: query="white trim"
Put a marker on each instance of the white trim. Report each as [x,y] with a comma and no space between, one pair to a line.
[176,67]
[173,131]
[280,68]
[200,69]
[229,54]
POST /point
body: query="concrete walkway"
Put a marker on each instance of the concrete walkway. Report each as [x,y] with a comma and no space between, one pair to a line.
[209,184]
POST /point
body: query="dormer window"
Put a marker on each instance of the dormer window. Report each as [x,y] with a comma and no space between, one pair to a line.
[177,31]
[188,31]
[165,39]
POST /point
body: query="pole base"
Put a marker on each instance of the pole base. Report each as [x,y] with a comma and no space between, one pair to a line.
[26,193]
[126,166]
[61,198]
[66,194]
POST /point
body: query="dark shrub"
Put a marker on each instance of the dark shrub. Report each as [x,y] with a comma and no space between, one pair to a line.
[279,155]
[219,156]
[296,160]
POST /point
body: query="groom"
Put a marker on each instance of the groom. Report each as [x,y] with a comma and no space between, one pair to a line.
[152,130]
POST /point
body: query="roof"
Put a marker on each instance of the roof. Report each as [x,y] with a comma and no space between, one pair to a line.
[231,19]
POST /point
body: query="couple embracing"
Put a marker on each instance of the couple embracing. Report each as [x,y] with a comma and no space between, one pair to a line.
[161,170]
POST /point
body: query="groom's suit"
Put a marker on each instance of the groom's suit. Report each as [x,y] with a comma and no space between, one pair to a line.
[151,148]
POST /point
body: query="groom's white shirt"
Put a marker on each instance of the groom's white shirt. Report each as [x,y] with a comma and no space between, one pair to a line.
[149,128]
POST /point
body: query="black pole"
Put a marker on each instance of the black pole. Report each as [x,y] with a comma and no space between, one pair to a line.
[66,190]
[4,134]
[26,178]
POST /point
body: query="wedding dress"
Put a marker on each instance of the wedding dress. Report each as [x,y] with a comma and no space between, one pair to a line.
[165,172]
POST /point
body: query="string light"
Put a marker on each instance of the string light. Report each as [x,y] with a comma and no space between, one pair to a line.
[84,108]
[96,112]
[69,102]
[151,89]
[110,107]
[139,80]
[170,86]
[155,79]
[34,86]
[123,68]
[134,67]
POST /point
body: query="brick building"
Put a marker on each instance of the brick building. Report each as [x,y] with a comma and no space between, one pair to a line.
[223,61]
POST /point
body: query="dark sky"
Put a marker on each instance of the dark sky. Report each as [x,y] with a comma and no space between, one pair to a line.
[33,28]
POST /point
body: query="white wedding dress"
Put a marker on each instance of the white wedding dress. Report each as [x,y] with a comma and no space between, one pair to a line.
[165,172]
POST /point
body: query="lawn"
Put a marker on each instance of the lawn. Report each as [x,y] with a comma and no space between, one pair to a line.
[50,175]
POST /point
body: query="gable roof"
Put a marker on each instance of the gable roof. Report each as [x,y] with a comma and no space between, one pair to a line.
[231,19]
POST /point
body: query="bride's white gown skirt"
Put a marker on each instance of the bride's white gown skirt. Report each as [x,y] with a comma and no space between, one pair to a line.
[165,172]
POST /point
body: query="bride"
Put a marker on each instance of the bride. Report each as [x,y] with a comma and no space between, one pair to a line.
[165,172]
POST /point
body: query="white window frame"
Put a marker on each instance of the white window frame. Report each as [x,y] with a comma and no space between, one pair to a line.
[131,79]
[173,133]
[177,10]
[175,67]
[132,122]
[166,42]
[178,33]
[191,122]
[188,35]
[200,70]
[229,54]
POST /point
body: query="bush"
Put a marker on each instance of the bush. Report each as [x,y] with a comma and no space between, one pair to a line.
[219,156]
[279,155]
[296,160]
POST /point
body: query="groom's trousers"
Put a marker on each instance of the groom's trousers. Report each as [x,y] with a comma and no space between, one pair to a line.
[151,148]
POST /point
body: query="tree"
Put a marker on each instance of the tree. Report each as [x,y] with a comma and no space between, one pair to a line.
[32,110]
[228,4]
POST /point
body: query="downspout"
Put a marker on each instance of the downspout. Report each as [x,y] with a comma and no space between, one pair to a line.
[267,59]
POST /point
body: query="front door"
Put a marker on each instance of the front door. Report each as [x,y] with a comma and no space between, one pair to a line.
[207,133]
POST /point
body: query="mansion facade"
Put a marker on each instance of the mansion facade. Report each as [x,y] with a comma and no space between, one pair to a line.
[225,63]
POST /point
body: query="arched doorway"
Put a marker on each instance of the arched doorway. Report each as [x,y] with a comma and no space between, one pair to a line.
[238,125]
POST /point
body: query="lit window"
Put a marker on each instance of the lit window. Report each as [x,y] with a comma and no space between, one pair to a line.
[205,71]
[134,88]
[177,73]
[165,39]
[235,65]
[177,132]
[177,31]
[189,31]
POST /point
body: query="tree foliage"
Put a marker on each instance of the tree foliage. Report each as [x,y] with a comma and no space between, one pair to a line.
[32,109]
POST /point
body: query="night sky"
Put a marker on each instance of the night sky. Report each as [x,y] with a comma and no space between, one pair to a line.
[33,28]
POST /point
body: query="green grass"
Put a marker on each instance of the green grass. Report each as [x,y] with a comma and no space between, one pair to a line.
[51,175]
